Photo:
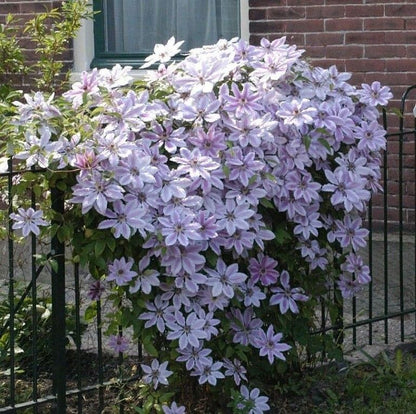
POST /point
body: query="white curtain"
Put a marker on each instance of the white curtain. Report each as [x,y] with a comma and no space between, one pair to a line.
[136,25]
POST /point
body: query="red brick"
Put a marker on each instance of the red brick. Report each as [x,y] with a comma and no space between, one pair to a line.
[338,25]
[357,78]
[322,12]
[409,37]
[404,10]
[382,23]
[316,52]
[396,37]
[303,2]
[297,39]
[257,14]
[266,3]
[401,65]
[385,51]
[326,63]
[35,7]
[267,27]
[285,13]
[363,65]
[344,52]
[340,2]
[323,39]
[364,11]
[9,8]
[364,38]
[410,24]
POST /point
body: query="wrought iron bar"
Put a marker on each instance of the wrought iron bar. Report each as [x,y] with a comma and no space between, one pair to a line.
[58,308]
[12,382]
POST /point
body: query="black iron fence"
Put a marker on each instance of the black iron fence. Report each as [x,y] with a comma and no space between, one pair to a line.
[49,300]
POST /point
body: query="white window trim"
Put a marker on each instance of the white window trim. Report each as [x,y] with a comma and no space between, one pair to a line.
[84,43]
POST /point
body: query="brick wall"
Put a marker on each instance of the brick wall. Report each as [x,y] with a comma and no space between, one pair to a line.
[372,39]
[25,10]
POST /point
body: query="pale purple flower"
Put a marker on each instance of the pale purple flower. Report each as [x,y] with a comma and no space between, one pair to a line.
[201,108]
[87,86]
[163,53]
[36,107]
[354,264]
[224,279]
[243,167]
[350,233]
[206,298]
[297,112]
[187,330]
[113,145]
[232,216]
[195,164]
[307,225]
[242,102]
[245,325]
[371,136]
[235,369]
[209,372]
[286,297]
[183,259]
[125,219]
[173,409]
[156,373]
[115,77]
[118,343]
[194,356]
[346,191]
[28,220]
[348,286]
[157,309]
[135,170]
[273,68]
[179,227]
[263,269]
[252,294]
[269,344]
[210,142]
[39,150]
[95,191]
[252,401]
[145,280]
[120,271]
[374,94]
[303,186]
[166,135]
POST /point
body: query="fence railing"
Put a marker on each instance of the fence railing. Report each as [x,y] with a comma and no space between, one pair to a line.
[385,313]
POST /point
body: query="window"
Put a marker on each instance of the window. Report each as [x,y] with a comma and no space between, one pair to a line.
[125,31]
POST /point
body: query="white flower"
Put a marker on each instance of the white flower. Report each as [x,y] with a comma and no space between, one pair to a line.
[163,53]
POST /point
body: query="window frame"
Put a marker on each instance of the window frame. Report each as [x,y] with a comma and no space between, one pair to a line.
[86,56]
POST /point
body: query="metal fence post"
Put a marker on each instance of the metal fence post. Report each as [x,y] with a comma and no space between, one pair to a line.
[58,310]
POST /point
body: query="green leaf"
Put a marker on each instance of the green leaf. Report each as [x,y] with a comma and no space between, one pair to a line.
[99,247]
[266,203]
[90,312]
[307,141]
[111,243]
[325,143]
[149,347]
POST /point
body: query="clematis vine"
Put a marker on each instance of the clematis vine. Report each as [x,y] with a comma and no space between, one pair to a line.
[216,199]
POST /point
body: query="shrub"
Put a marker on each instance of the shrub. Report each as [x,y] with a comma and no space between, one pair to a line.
[221,199]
